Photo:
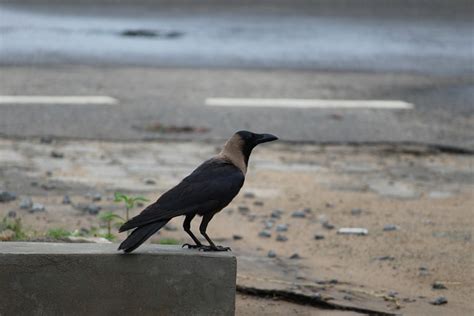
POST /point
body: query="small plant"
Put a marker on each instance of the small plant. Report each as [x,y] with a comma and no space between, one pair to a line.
[109,218]
[58,233]
[15,225]
[129,201]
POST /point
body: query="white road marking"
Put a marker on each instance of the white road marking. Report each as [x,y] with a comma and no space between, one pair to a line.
[49,99]
[310,103]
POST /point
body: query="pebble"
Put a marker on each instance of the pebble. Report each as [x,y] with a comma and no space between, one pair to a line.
[440,300]
[298,214]
[48,186]
[271,254]
[12,214]
[392,293]
[268,224]
[329,205]
[356,211]
[423,271]
[149,181]
[26,203]
[385,258]
[319,237]
[295,256]
[66,199]
[6,196]
[353,231]
[249,195]
[282,228]
[265,234]
[46,140]
[37,207]
[276,214]
[439,286]
[328,225]
[57,154]
[237,237]
[347,297]
[92,209]
[281,238]
[390,227]
[96,197]
[243,209]
[258,203]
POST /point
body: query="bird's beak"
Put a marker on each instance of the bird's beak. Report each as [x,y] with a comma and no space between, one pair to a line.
[263,138]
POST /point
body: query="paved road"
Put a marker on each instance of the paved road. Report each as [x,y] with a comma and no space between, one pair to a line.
[421,55]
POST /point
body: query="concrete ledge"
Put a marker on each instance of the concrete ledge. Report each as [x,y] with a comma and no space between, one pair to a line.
[95,279]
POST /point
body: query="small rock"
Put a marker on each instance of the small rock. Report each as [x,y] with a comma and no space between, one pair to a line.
[276,214]
[390,227]
[170,227]
[92,209]
[271,254]
[12,214]
[353,231]
[37,207]
[57,154]
[48,186]
[423,271]
[149,181]
[66,199]
[439,301]
[298,214]
[307,210]
[329,205]
[6,196]
[258,203]
[328,225]
[385,258]
[243,209]
[281,238]
[282,228]
[439,286]
[237,237]
[319,237]
[46,140]
[356,211]
[249,195]
[26,203]
[268,224]
[295,256]
[392,293]
[49,173]
[265,234]
[347,297]
[96,197]
[333,281]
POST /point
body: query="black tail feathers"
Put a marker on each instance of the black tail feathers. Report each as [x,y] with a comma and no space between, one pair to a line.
[140,235]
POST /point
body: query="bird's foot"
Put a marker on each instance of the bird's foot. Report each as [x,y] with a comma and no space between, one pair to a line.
[192,246]
[214,248]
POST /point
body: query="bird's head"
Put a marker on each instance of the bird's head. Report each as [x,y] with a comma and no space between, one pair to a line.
[239,147]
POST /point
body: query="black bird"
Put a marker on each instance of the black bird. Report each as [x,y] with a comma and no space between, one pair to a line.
[206,191]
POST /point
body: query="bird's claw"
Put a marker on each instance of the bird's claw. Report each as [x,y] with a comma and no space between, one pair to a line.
[214,248]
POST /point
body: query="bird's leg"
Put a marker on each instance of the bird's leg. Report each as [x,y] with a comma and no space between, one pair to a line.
[202,229]
[187,228]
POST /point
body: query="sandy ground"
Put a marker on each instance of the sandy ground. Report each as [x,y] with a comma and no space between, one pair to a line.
[428,196]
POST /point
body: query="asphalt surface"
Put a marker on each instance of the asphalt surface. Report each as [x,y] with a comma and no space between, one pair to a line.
[409,51]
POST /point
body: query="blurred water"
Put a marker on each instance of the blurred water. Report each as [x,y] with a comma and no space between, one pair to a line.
[71,34]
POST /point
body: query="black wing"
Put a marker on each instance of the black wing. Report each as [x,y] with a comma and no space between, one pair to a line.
[209,188]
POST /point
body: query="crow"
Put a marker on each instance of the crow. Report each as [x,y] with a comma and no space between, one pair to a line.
[205,192]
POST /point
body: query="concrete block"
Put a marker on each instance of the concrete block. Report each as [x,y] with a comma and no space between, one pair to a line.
[95,279]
